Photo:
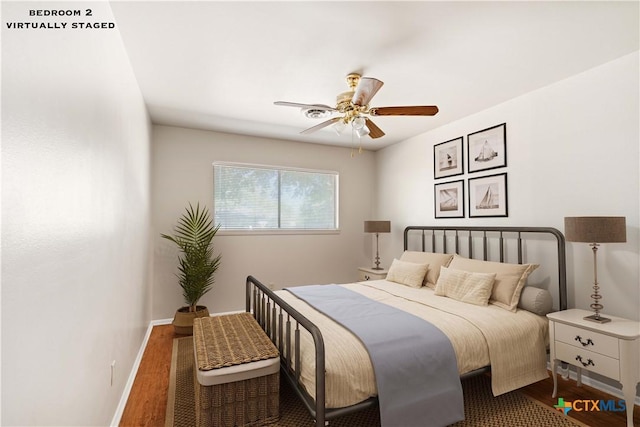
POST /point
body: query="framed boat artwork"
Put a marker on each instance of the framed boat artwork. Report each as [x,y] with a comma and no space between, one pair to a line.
[448,159]
[488,196]
[449,199]
[487,148]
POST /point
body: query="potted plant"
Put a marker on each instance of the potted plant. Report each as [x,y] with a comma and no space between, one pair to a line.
[194,237]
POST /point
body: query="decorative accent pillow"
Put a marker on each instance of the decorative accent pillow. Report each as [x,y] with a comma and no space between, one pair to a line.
[472,288]
[434,260]
[407,273]
[510,278]
[536,300]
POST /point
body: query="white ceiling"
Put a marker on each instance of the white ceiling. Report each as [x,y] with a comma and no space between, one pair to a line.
[221,65]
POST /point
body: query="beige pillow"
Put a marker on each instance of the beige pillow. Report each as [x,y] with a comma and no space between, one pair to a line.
[407,273]
[510,278]
[536,300]
[434,260]
[473,288]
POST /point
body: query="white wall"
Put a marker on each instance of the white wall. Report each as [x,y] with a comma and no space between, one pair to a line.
[75,220]
[572,150]
[183,172]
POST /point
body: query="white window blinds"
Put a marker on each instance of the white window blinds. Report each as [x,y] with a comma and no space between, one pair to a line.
[249,197]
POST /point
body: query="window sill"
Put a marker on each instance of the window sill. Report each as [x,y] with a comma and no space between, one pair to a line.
[279,232]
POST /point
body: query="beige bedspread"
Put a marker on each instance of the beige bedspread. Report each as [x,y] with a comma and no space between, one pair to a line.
[514,344]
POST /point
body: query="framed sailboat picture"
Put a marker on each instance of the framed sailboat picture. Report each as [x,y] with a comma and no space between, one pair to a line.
[487,149]
[448,159]
[449,199]
[488,196]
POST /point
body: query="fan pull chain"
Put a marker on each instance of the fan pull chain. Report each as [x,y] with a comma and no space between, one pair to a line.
[353,149]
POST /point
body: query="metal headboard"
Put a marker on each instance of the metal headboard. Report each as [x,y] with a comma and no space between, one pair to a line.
[438,238]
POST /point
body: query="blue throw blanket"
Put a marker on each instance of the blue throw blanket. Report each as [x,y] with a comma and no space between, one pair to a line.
[414,362]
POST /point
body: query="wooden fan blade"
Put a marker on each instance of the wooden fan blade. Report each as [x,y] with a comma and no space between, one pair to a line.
[299,105]
[367,88]
[425,110]
[374,131]
[321,125]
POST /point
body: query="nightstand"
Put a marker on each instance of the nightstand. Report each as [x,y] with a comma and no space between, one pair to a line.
[366,273]
[611,349]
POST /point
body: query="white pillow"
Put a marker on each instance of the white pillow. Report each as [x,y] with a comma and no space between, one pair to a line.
[472,288]
[407,273]
[510,278]
[435,261]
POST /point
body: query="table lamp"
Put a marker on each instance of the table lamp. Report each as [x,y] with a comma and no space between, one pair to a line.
[377,227]
[595,230]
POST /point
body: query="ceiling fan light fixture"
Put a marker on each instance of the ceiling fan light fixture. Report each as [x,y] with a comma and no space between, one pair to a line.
[339,127]
[363,131]
[316,113]
[358,123]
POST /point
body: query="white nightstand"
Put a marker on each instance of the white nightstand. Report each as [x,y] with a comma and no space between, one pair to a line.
[611,349]
[367,273]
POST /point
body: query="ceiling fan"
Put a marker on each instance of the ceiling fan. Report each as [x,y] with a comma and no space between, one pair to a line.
[353,107]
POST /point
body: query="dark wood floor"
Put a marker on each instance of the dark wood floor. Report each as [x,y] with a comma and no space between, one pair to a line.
[148,398]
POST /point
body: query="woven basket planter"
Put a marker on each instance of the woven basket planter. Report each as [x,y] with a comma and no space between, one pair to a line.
[183,319]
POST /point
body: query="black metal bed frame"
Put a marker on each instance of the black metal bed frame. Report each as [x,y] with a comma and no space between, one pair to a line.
[282,323]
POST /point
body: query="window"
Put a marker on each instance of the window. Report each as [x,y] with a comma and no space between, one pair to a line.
[250,197]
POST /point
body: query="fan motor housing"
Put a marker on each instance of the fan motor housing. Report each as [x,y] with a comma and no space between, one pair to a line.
[343,101]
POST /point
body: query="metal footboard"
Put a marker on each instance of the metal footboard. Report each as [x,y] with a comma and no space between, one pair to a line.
[282,323]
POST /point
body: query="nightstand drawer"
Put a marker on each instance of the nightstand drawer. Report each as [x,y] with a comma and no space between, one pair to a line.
[587,340]
[588,360]
[365,274]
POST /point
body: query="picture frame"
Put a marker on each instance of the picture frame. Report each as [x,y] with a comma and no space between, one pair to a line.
[448,158]
[448,199]
[487,148]
[488,196]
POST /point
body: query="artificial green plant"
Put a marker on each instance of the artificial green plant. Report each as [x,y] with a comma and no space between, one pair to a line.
[194,235]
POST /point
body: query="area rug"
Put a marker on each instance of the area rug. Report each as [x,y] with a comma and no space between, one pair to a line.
[481,408]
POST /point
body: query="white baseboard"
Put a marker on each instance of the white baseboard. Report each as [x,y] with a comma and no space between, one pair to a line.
[115,421]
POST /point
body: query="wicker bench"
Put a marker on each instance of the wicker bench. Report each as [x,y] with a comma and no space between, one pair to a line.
[237,372]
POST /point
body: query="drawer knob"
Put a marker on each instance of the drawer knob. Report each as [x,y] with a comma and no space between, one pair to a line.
[584,343]
[585,364]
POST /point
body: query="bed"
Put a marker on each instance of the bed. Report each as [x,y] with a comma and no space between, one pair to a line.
[313,349]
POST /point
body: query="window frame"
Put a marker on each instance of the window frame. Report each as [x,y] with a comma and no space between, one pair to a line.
[279,231]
